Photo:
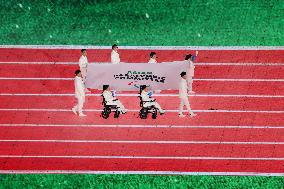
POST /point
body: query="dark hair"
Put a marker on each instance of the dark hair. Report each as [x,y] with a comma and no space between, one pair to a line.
[188,56]
[105,87]
[82,50]
[77,72]
[182,74]
[113,46]
[152,54]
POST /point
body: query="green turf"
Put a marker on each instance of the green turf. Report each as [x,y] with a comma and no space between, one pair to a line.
[170,22]
[138,181]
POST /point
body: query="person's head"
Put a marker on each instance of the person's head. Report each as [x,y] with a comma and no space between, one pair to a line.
[106,87]
[183,75]
[144,88]
[188,57]
[114,47]
[153,55]
[78,73]
[84,52]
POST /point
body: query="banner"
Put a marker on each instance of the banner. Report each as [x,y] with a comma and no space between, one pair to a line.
[129,76]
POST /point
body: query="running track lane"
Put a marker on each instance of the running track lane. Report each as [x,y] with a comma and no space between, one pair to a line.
[101,55]
[130,164]
[148,150]
[146,133]
[204,72]
[202,119]
[201,87]
[132,103]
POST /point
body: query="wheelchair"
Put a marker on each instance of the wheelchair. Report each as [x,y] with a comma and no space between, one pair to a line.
[108,109]
[143,113]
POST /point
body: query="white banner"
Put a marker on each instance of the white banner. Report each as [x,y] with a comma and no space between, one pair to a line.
[129,76]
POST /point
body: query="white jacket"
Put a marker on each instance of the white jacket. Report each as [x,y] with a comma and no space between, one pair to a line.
[115,57]
[79,87]
[145,97]
[190,70]
[183,88]
[108,97]
[152,61]
[83,62]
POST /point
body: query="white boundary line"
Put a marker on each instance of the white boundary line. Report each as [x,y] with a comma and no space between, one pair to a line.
[218,79]
[148,157]
[144,126]
[196,64]
[138,172]
[148,142]
[146,47]
[156,95]
[167,111]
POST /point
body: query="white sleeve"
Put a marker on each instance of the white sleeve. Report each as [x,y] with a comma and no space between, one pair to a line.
[81,62]
[80,87]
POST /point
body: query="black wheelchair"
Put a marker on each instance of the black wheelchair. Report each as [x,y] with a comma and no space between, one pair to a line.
[143,113]
[108,109]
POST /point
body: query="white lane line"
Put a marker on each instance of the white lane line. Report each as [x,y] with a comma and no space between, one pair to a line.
[218,79]
[138,172]
[148,142]
[156,95]
[167,111]
[145,126]
[146,47]
[196,64]
[148,157]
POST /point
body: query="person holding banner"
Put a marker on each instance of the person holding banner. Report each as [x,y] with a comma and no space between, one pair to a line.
[149,101]
[79,94]
[183,96]
[153,57]
[190,72]
[83,64]
[114,55]
[110,100]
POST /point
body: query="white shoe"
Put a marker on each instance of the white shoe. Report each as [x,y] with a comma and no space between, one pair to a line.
[82,115]
[162,112]
[74,111]
[192,114]
[181,115]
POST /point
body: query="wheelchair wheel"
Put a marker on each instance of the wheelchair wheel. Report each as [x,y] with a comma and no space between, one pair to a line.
[116,114]
[154,113]
[143,113]
[105,113]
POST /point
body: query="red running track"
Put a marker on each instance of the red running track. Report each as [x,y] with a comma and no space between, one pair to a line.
[203,119]
[131,133]
[201,72]
[101,55]
[263,145]
[132,102]
[201,87]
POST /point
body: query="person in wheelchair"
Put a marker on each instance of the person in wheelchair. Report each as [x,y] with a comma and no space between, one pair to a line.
[112,101]
[148,101]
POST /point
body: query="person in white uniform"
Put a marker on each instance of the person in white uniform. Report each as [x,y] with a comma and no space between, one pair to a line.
[183,96]
[114,55]
[190,72]
[79,93]
[83,64]
[153,58]
[110,100]
[148,101]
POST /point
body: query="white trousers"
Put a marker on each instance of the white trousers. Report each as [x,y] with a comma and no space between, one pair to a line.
[156,104]
[84,73]
[118,104]
[189,83]
[79,106]
[184,101]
